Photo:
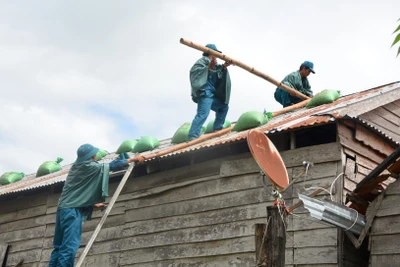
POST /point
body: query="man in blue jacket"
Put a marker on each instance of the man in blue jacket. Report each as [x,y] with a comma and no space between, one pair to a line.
[211,90]
[297,80]
[86,187]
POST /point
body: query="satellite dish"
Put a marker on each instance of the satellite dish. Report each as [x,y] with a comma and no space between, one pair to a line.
[267,157]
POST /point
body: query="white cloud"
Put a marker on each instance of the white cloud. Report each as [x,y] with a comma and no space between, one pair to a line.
[58,61]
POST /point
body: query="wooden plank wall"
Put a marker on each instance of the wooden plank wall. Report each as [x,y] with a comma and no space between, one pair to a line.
[200,215]
[23,226]
[386,118]
[363,150]
[384,240]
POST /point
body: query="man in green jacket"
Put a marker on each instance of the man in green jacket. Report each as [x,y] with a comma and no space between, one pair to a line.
[86,187]
[297,80]
[211,90]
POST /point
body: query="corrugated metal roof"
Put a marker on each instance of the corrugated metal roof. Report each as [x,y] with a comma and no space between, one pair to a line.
[347,106]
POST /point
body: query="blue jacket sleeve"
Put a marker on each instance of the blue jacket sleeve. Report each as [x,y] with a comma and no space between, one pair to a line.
[118,164]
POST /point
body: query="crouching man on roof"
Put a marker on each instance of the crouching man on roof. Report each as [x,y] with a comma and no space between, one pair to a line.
[211,90]
[297,80]
[86,187]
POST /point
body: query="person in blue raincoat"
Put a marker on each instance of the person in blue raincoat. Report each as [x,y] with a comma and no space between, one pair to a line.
[211,90]
[297,80]
[86,187]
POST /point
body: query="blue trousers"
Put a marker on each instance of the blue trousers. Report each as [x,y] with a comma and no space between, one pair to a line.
[67,237]
[204,105]
[285,98]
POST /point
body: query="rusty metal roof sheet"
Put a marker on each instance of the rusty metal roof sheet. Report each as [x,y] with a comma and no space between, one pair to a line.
[350,106]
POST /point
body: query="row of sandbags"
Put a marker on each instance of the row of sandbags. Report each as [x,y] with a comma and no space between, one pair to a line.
[48,167]
[252,119]
[137,146]
[45,168]
[247,120]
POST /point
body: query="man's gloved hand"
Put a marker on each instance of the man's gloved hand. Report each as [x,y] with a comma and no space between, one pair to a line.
[138,158]
[227,64]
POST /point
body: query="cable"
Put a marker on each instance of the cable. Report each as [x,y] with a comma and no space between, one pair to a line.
[354,220]
[307,166]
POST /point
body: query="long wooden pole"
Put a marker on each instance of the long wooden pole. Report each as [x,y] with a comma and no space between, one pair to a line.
[290,108]
[187,144]
[252,70]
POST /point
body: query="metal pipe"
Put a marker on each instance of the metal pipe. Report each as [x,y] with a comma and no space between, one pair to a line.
[335,214]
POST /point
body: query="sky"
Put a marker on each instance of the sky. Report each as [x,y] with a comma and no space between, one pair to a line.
[101,72]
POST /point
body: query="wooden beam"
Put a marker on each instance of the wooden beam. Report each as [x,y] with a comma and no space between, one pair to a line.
[275,241]
[373,140]
[3,253]
[371,213]
[379,169]
[261,250]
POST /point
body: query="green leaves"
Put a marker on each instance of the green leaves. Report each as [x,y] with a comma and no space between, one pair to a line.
[398,28]
[397,39]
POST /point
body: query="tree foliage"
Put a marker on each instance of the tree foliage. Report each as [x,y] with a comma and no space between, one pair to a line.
[397,38]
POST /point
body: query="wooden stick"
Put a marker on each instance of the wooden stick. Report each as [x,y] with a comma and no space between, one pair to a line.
[290,108]
[298,204]
[275,240]
[261,248]
[207,50]
[190,143]
[105,215]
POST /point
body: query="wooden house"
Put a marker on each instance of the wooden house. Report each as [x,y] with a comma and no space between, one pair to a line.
[198,206]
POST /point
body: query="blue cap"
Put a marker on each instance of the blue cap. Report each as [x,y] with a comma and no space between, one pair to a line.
[309,65]
[213,47]
[85,152]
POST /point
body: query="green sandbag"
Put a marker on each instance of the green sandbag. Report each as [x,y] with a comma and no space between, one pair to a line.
[126,146]
[210,126]
[146,143]
[251,119]
[101,154]
[49,167]
[181,134]
[325,97]
[267,117]
[11,177]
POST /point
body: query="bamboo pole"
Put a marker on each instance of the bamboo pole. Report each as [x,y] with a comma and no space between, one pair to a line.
[187,144]
[207,50]
[290,108]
